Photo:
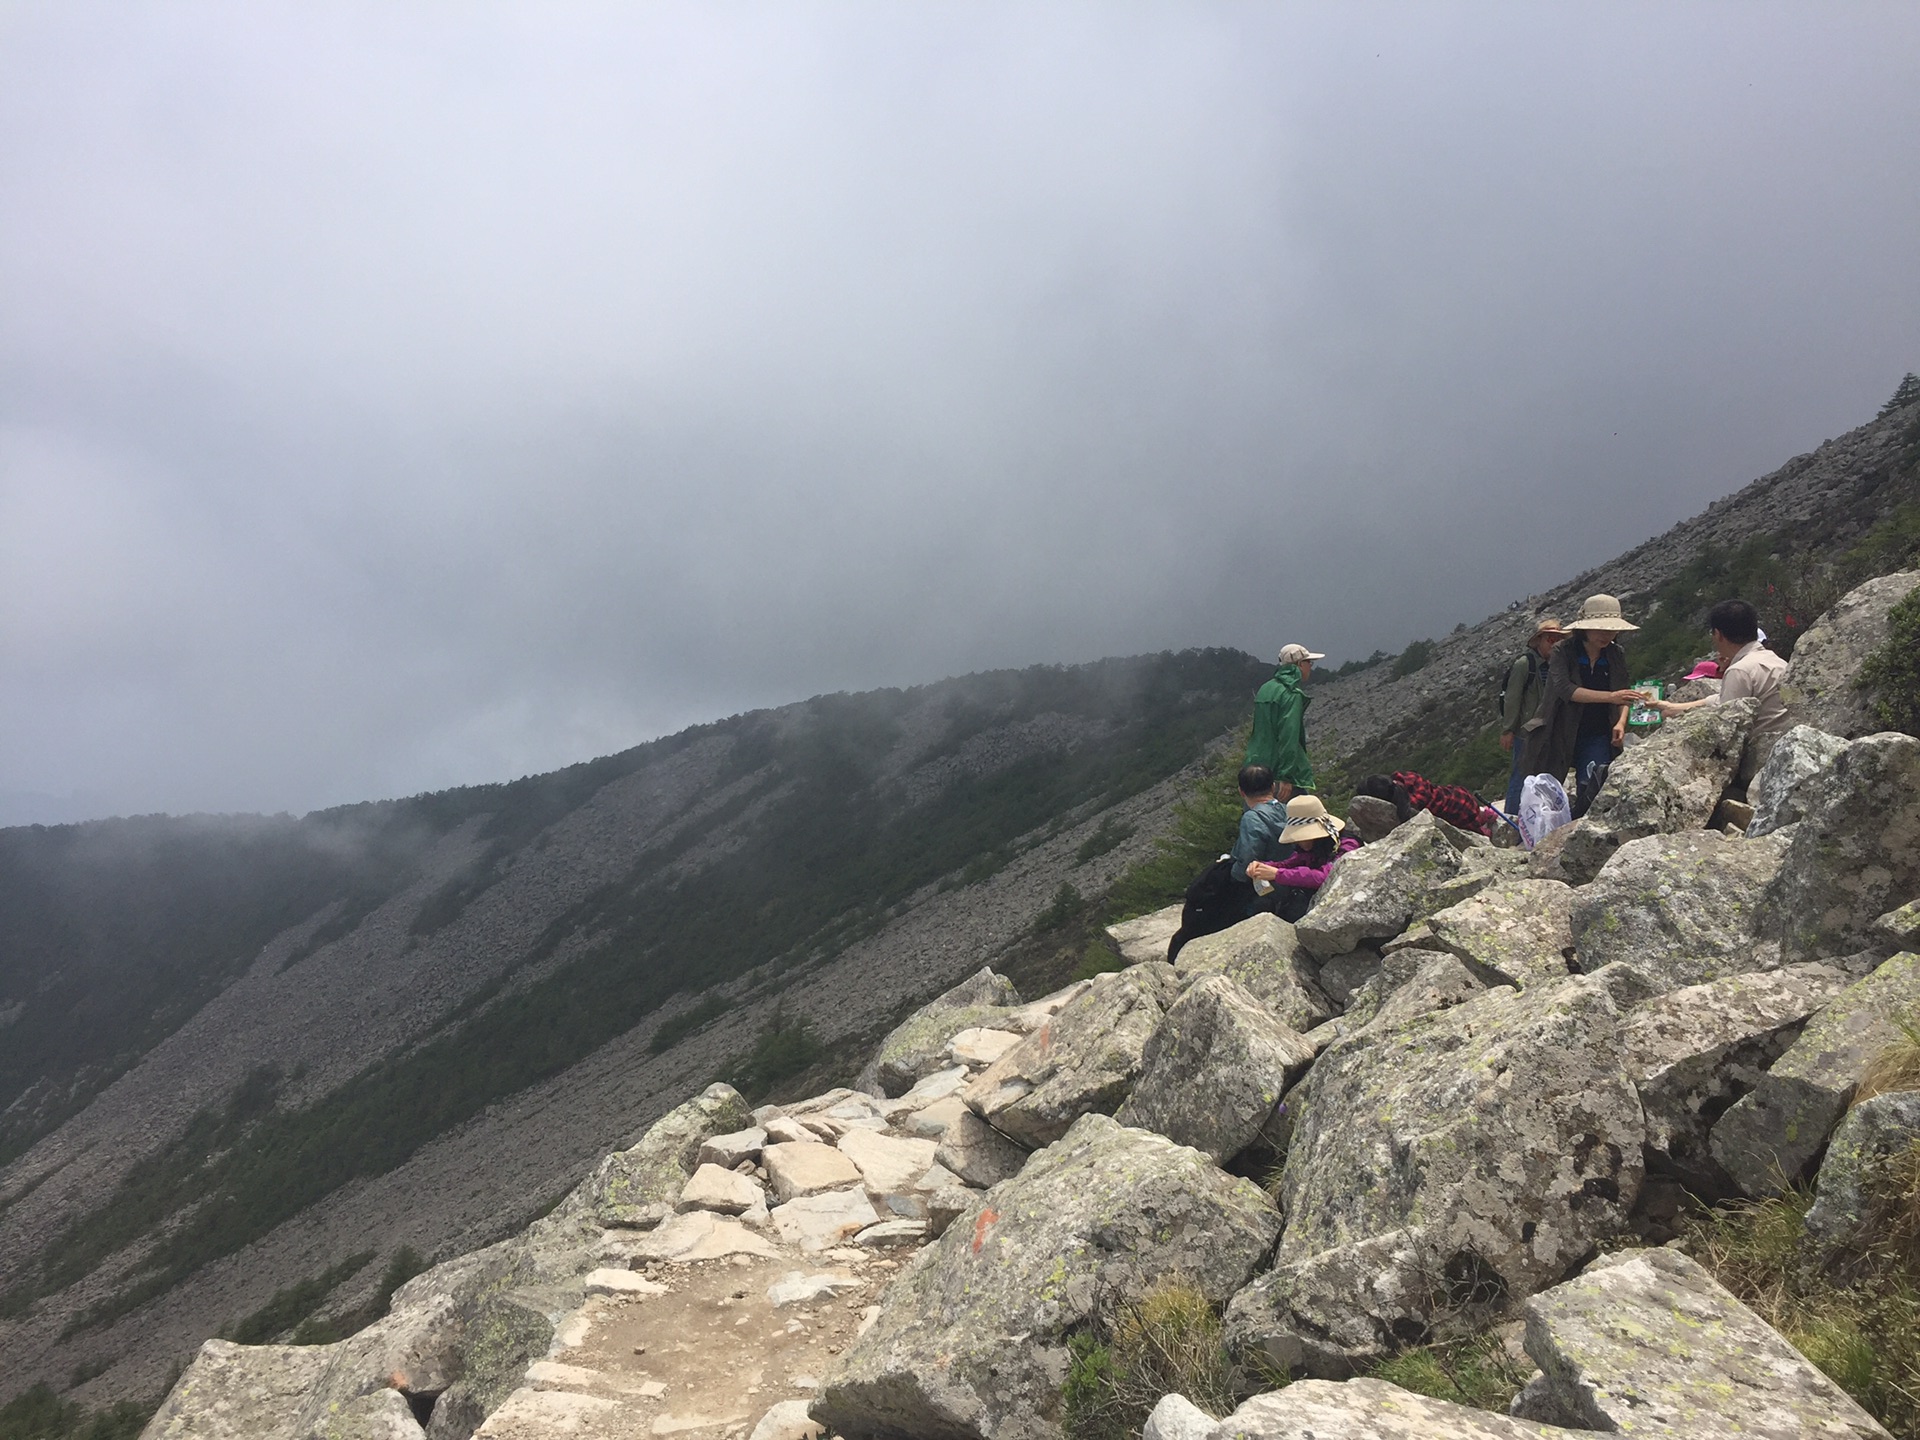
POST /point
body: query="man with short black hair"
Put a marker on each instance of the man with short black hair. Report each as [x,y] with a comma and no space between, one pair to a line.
[1747,668]
[1263,818]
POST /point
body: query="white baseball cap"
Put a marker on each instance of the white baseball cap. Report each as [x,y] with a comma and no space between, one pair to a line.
[1294,654]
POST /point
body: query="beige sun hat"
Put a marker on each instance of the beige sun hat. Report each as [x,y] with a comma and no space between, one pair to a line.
[1307,819]
[1546,625]
[1294,654]
[1601,612]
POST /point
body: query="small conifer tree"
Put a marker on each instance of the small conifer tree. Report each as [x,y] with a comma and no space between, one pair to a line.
[1904,395]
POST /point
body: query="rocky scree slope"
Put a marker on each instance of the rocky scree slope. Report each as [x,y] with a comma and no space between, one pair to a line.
[239,1051]
[1483,1086]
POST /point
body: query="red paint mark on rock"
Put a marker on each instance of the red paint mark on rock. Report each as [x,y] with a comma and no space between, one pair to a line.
[987,1217]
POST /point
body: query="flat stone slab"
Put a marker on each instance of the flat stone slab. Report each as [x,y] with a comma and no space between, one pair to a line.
[978,1046]
[1514,932]
[1648,1343]
[724,1191]
[1147,937]
[933,1122]
[701,1235]
[731,1149]
[819,1222]
[889,1233]
[621,1282]
[808,1167]
[886,1164]
[797,1287]
[1372,1410]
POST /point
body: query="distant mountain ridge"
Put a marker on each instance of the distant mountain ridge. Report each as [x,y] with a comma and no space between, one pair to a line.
[250,1048]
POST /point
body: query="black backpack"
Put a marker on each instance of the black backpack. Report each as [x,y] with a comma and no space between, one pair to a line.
[1214,901]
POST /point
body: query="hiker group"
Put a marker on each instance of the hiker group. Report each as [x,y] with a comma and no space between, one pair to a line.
[1564,709]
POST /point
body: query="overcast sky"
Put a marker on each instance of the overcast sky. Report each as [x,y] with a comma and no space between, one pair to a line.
[403,395]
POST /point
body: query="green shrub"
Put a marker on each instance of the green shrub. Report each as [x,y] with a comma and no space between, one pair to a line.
[1110,834]
[1893,671]
[1416,656]
[1169,1340]
[787,1047]
[672,1031]
[1476,1371]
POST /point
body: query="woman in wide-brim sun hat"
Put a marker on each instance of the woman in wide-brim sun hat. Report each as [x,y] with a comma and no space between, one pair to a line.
[1317,843]
[1584,718]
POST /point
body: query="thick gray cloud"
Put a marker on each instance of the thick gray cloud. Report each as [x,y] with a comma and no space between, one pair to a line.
[401,396]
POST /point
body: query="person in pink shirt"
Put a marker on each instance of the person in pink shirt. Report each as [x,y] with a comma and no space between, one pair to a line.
[1317,843]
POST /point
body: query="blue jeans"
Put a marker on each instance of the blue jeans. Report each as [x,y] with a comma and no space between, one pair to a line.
[1592,754]
[1519,776]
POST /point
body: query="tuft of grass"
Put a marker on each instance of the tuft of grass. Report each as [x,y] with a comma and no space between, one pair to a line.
[1170,1339]
[1861,1327]
[1477,1371]
[1897,1067]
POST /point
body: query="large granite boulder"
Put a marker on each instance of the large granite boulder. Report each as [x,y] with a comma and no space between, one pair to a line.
[1692,1052]
[1901,927]
[1215,1069]
[1371,1410]
[1648,1343]
[241,1392]
[1263,955]
[1378,890]
[1861,1177]
[640,1187]
[1514,932]
[1669,782]
[1791,778]
[1146,937]
[1683,909]
[1082,1061]
[1766,1138]
[917,1046]
[1856,855]
[1444,1169]
[1410,984]
[971,1339]
[1372,818]
[1820,686]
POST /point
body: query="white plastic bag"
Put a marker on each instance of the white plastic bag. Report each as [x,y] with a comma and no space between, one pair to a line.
[1544,808]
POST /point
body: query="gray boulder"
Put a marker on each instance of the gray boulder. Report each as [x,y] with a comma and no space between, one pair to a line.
[971,1339]
[1178,1418]
[1820,686]
[1444,1169]
[1145,938]
[1854,1181]
[1692,1052]
[977,1153]
[1791,777]
[1412,983]
[241,1392]
[917,1046]
[1372,818]
[1371,1410]
[1082,1061]
[1648,1343]
[1378,890]
[1857,854]
[1668,783]
[1263,956]
[1684,909]
[1215,1069]
[1766,1138]
[1480,867]
[383,1415]
[1514,932]
[639,1188]
[1902,926]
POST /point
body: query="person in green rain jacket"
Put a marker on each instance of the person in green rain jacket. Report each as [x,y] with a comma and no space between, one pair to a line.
[1280,723]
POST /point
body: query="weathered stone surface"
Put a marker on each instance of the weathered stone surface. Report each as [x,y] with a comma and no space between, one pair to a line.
[917,1046]
[819,1222]
[1854,1180]
[701,1235]
[1082,1061]
[887,1233]
[1514,932]
[620,1282]
[1378,890]
[1791,778]
[888,1164]
[381,1415]
[1372,818]
[1692,1052]
[977,1153]
[1339,977]
[1147,937]
[1857,853]
[1902,926]
[241,1392]
[1767,1137]
[936,1119]
[1370,1410]
[807,1168]
[1178,1418]
[1819,687]
[730,1149]
[1412,983]
[796,1287]
[787,1421]
[1214,1070]
[1445,1168]
[971,1338]
[1031,1016]
[1668,783]
[1648,1343]
[947,1200]
[723,1191]
[982,1047]
[1543,861]
[639,1187]
[1684,909]
[1480,867]
[1263,955]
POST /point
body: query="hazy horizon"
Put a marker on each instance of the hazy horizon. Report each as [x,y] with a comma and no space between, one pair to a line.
[394,398]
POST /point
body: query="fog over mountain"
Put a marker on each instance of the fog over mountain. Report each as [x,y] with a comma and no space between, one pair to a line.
[395,397]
